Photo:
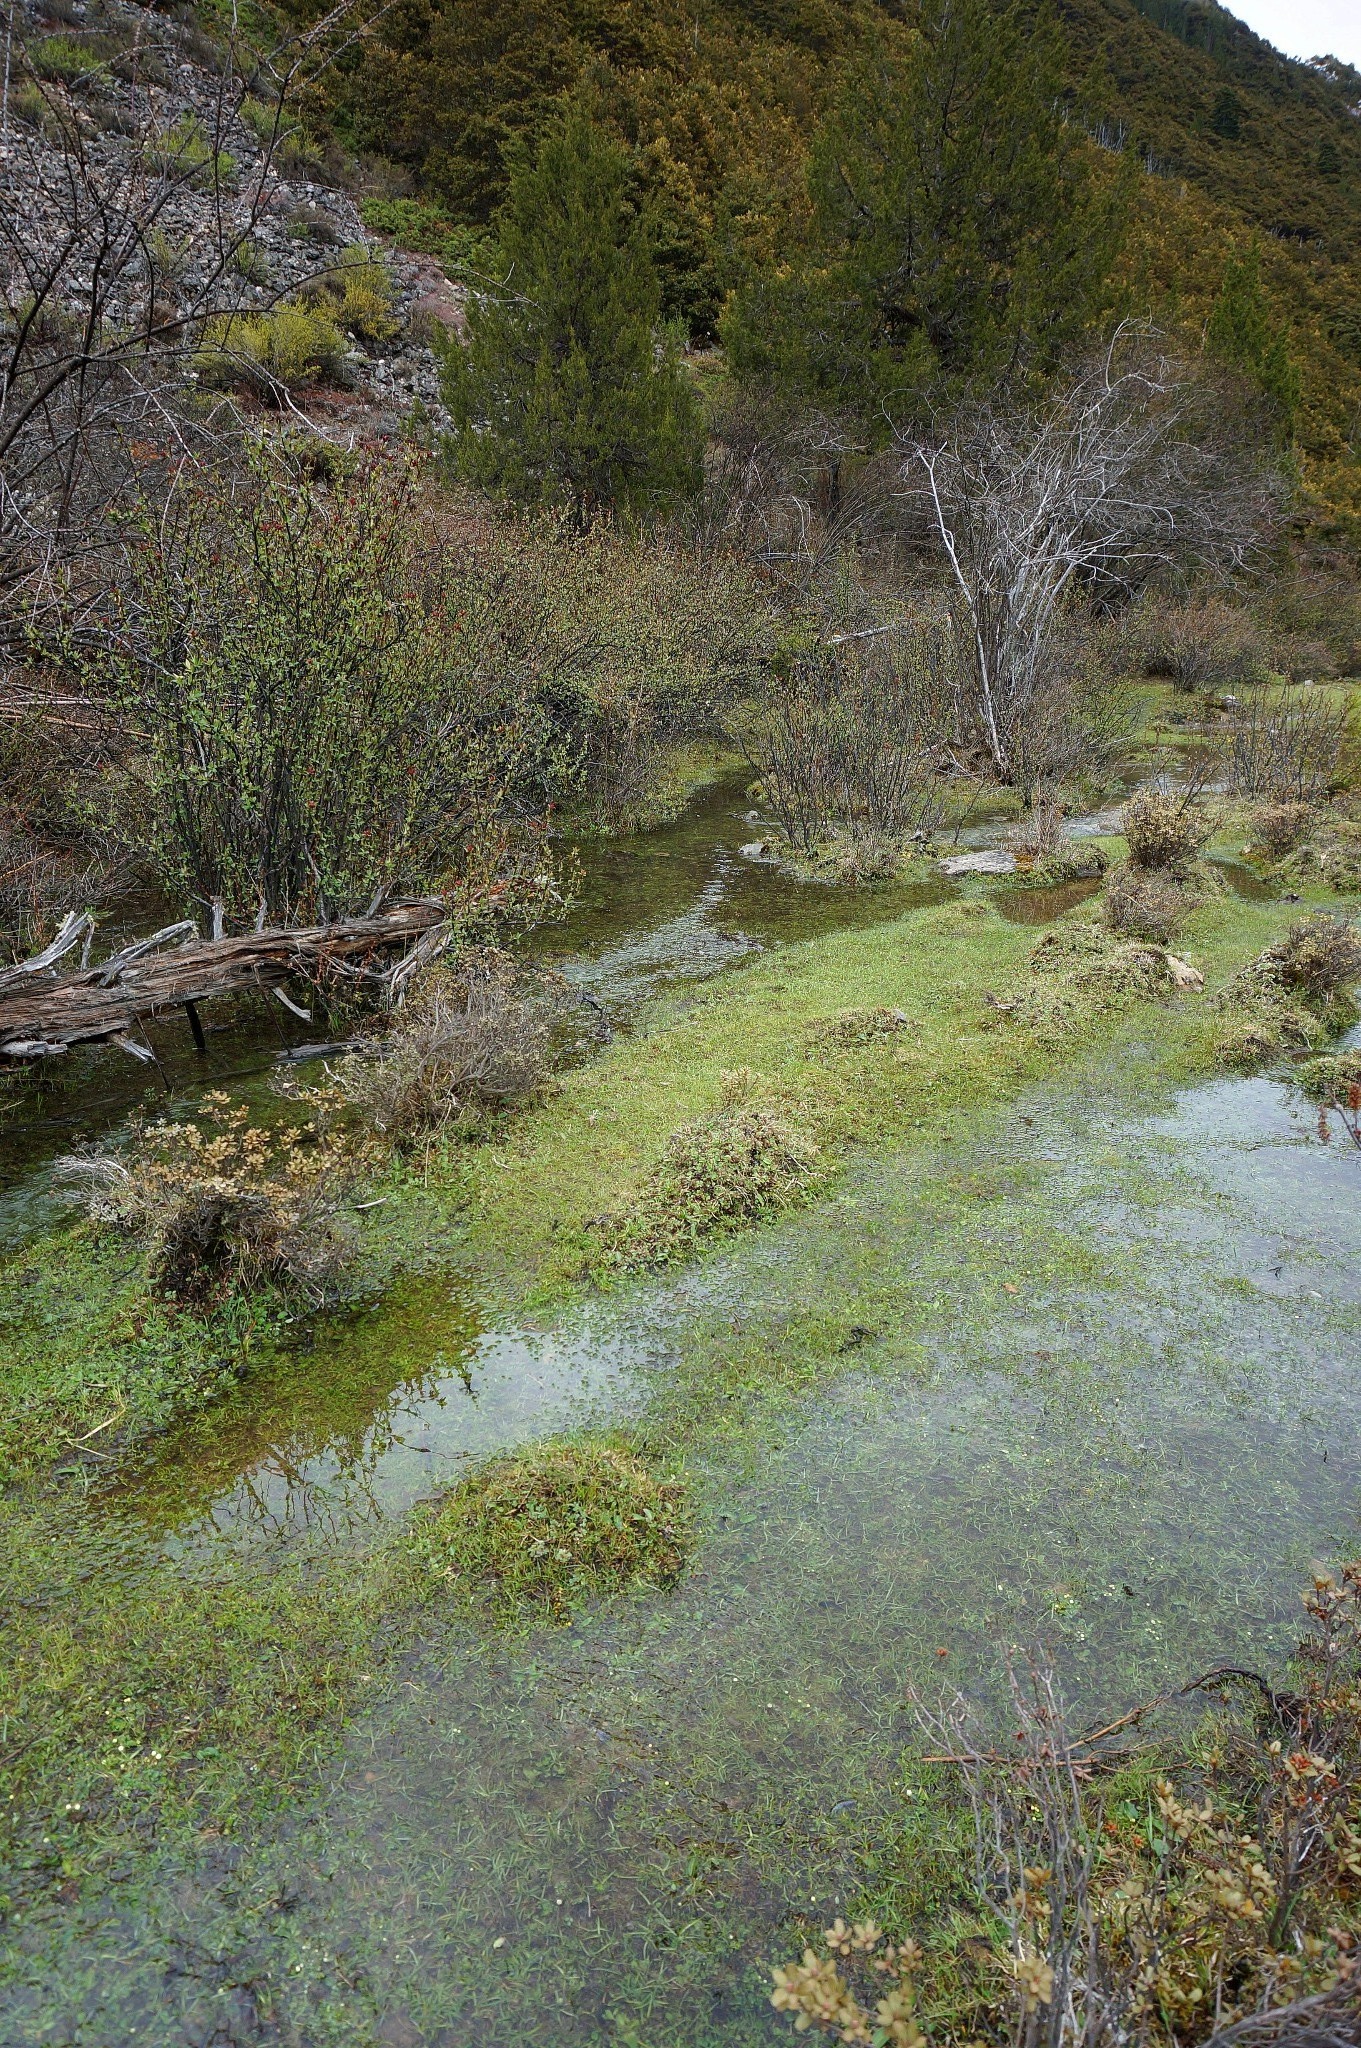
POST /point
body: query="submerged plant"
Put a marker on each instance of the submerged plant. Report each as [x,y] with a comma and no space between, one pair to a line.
[536,1532]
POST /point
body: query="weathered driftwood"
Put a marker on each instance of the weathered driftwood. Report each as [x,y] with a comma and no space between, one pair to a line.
[42,1013]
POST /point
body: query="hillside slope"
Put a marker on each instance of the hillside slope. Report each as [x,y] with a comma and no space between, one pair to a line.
[1241,147]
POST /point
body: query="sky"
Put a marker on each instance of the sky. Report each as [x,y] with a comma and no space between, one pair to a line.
[1306,28]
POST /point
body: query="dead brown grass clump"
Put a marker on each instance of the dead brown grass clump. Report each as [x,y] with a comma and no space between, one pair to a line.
[1143,903]
[470,1038]
[1278,828]
[1319,958]
[223,1203]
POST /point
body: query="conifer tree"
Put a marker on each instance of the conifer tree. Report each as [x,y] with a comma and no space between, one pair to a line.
[1242,333]
[963,237]
[566,392]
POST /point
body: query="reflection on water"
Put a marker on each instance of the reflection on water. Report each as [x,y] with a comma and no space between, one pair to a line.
[383,1406]
[1043,905]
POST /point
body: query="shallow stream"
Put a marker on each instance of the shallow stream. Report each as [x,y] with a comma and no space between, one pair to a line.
[1090,1378]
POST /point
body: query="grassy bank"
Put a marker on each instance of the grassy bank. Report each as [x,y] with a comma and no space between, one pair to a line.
[97,1363]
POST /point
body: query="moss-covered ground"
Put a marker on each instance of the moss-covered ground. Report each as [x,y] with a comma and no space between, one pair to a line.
[1013,1368]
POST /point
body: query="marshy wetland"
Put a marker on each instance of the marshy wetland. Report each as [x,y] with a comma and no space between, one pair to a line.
[1063,1351]
[680,1027]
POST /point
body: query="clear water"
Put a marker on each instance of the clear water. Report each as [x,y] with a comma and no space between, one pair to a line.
[1089,1378]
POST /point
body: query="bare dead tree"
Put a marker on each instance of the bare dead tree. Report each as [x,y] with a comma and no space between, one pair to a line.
[121,237]
[1122,475]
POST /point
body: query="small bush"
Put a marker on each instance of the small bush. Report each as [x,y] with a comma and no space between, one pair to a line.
[28,106]
[1162,831]
[1203,1894]
[1075,860]
[186,148]
[291,148]
[1143,903]
[417,224]
[365,304]
[289,345]
[854,859]
[64,59]
[466,1041]
[250,261]
[311,224]
[229,1205]
[537,1532]
[1332,856]
[1040,833]
[742,1164]
[1279,828]
[845,741]
[1203,644]
[1285,745]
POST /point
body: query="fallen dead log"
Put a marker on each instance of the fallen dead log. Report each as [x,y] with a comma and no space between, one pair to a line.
[42,1014]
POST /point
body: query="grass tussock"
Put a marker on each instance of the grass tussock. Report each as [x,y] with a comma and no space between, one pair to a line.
[223,1205]
[747,1161]
[1330,853]
[850,1030]
[532,1535]
[1329,1076]
[468,1040]
[1082,971]
[1076,860]
[1291,996]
